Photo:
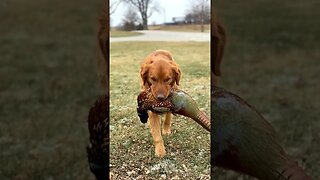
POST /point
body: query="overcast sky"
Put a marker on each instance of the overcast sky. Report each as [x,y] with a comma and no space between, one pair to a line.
[168,9]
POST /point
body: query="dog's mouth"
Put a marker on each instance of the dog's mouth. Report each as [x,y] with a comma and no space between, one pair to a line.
[162,98]
[146,101]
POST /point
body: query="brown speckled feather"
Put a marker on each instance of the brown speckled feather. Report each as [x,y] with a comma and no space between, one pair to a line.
[98,149]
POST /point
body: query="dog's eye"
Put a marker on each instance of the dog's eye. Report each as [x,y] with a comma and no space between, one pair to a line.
[167,80]
[153,79]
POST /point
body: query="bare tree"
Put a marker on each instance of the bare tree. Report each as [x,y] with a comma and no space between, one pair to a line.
[113,6]
[145,8]
[130,20]
[199,12]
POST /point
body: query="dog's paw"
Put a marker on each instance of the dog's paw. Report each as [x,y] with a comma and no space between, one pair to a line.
[166,130]
[160,151]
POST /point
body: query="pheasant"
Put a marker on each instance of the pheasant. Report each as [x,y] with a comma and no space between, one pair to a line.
[98,148]
[241,139]
[178,102]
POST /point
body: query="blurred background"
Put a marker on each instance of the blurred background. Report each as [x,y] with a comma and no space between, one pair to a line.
[128,16]
[49,80]
[48,83]
[272,60]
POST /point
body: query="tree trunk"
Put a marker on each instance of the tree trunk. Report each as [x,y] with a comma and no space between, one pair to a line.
[202,25]
[202,17]
[145,23]
[144,18]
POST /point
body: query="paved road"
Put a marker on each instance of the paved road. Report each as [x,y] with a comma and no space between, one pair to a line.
[165,36]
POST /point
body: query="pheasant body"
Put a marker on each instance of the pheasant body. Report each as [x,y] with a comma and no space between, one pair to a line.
[178,102]
[245,142]
[98,148]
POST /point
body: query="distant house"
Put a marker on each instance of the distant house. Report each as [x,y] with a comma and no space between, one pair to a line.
[179,20]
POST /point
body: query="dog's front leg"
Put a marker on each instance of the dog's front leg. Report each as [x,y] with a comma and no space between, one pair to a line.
[155,129]
[166,127]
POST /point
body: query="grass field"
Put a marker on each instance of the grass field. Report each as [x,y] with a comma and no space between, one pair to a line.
[48,82]
[132,150]
[272,60]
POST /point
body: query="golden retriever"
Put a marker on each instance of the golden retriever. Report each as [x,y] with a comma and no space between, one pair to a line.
[161,75]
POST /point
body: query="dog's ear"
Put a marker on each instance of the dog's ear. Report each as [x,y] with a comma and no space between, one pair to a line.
[219,41]
[144,70]
[102,48]
[177,74]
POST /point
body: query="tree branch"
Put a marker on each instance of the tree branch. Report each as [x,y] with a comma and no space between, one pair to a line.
[113,6]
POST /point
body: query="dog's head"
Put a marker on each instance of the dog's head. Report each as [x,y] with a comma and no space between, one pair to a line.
[160,73]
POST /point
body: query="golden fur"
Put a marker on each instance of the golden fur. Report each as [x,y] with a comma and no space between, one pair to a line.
[161,74]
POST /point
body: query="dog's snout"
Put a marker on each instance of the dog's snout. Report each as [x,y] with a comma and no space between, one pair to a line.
[160,97]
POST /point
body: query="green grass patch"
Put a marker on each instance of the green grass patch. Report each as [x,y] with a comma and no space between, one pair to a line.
[48,83]
[132,150]
[116,33]
[272,61]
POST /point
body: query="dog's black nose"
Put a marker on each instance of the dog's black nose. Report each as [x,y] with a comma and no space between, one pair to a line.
[160,97]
